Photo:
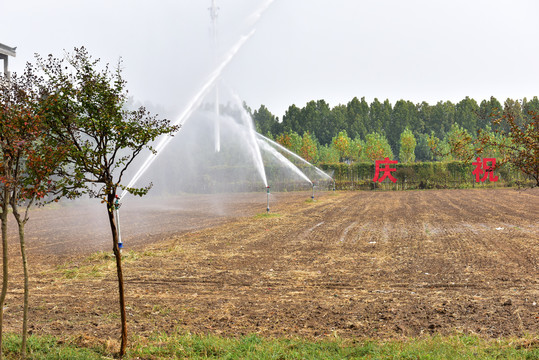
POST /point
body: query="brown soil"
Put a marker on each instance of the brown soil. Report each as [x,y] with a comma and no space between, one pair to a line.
[352,264]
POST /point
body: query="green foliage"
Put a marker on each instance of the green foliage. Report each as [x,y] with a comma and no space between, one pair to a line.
[530,106]
[290,140]
[422,150]
[517,146]
[315,118]
[466,114]
[456,145]
[405,115]
[460,144]
[295,141]
[356,149]
[265,121]
[360,118]
[377,147]
[86,113]
[341,142]
[488,110]
[308,150]
[284,140]
[357,117]
[24,144]
[318,114]
[454,124]
[339,119]
[380,115]
[407,146]
[493,144]
[328,154]
[514,140]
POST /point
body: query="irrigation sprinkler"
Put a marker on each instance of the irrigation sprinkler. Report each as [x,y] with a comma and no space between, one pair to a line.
[312,196]
[117,207]
[333,184]
[267,188]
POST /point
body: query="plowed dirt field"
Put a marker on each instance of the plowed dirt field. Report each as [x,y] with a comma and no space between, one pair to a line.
[353,264]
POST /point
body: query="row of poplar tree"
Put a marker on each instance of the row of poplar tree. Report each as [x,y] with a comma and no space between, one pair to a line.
[359,131]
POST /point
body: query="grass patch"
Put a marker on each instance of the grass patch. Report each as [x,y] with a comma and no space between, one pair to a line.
[161,310]
[267,215]
[107,256]
[189,346]
[96,265]
[47,347]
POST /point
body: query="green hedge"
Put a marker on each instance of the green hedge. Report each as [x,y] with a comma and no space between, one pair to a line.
[419,175]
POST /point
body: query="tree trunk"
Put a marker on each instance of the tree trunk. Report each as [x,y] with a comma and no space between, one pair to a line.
[26,291]
[118,256]
[21,223]
[3,216]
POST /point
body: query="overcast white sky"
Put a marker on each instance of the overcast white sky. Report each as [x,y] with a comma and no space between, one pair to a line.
[302,49]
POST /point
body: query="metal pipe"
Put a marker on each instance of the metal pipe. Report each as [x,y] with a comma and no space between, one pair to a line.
[312,196]
[117,206]
[120,243]
[268,193]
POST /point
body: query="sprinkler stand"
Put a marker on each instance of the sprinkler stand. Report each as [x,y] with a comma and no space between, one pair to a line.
[267,209]
[333,184]
[312,196]
[117,206]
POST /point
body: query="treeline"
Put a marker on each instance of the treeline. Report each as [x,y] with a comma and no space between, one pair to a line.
[316,130]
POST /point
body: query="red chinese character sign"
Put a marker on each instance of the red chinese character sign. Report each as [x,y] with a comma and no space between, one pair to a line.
[485,168]
[386,170]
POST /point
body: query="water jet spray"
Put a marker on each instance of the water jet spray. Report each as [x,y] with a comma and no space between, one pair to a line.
[266,146]
[193,104]
[293,155]
[196,100]
[217,131]
[255,148]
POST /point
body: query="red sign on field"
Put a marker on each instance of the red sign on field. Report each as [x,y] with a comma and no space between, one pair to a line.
[386,170]
[483,168]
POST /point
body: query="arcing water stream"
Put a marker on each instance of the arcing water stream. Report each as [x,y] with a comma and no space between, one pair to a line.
[295,156]
[253,144]
[191,107]
[284,160]
[197,99]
